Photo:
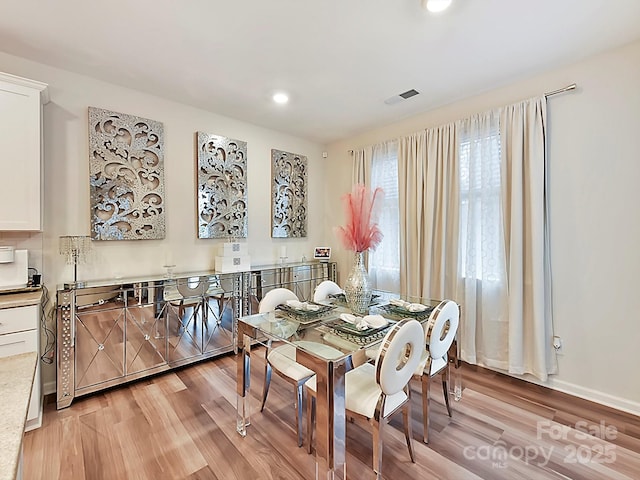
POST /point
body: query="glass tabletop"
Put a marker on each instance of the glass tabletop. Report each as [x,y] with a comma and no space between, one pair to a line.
[323,324]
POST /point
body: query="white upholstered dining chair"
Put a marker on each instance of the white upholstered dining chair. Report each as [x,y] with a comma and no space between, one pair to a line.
[440,332]
[281,359]
[324,289]
[374,392]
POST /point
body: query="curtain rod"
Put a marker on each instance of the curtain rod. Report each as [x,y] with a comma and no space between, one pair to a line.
[561,90]
[568,88]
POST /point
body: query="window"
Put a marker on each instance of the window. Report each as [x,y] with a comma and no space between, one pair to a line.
[481,243]
[384,262]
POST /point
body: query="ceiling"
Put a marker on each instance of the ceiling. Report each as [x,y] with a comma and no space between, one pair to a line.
[338,59]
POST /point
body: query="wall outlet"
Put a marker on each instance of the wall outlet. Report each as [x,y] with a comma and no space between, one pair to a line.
[557,344]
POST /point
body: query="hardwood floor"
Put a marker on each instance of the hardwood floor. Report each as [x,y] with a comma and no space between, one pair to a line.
[181,425]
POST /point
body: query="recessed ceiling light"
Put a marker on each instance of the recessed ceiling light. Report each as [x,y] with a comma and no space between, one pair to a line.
[435,6]
[280,97]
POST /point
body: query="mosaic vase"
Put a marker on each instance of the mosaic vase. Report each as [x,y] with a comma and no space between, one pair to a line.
[357,289]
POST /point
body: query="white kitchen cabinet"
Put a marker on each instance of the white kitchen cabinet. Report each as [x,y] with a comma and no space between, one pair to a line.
[19,333]
[21,103]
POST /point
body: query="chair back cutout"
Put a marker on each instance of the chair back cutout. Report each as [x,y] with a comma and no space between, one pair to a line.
[399,355]
[193,286]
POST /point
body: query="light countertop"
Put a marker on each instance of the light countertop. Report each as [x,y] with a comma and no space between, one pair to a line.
[16,378]
[11,300]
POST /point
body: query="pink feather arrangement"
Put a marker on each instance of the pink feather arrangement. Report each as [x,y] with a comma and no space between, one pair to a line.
[362,211]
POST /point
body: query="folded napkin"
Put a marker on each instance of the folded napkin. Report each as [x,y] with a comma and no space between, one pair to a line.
[310,307]
[409,307]
[363,323]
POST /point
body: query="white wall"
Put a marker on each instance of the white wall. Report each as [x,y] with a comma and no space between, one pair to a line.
[67,182]
[594,158]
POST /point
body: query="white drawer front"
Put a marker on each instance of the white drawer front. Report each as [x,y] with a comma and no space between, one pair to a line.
[15,343]
[18,319]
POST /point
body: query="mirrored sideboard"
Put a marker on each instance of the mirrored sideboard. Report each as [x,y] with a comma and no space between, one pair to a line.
[113,332]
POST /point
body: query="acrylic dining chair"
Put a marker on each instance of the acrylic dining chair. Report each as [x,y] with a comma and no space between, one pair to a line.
[440,332]
[282,359]
[191,292]
[183,294]
[195,292]
[374,392]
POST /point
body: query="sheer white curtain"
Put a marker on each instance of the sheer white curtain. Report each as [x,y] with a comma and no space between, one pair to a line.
[384,262]
[482,288]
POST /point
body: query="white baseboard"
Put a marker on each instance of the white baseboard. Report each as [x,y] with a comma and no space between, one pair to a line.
[34,423]
[596,396]
[48,388]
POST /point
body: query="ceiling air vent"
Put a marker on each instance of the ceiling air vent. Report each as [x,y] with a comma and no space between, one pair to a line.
[401,96]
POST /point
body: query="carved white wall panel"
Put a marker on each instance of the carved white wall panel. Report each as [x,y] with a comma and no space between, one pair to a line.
[222,187]
[126,156]
[288,195]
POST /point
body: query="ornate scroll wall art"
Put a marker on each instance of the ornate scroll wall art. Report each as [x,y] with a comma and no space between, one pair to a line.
[126,156]
[222,187]
[288,195]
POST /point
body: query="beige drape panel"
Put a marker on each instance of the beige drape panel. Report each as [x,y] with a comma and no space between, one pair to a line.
[428,197]
[361,171]
[362,166]
[522,131]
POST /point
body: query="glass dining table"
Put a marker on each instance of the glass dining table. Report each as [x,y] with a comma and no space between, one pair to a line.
[323,324]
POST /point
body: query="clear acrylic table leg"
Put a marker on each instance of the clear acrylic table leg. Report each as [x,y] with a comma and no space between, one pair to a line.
[243,385]
[455,380]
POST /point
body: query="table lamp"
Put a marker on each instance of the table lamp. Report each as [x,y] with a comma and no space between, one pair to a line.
[75,248]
